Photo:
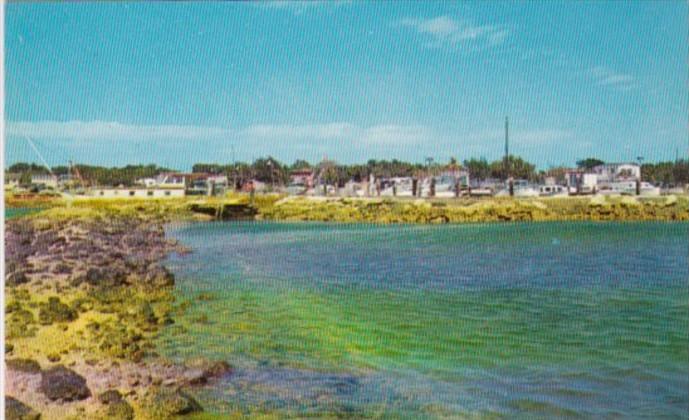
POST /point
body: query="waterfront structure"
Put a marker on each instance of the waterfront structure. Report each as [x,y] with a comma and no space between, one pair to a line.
[615,172]
[302,177]
[579,181]
[171,180]
[12,180]
[44,180]
[206,184]
[167,185]
[630,188]
[552,190]
[520,188]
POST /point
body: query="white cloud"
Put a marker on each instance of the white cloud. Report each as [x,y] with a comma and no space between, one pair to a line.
[104,130]
[604,76]
[176,146]
[115,131]
[444,30]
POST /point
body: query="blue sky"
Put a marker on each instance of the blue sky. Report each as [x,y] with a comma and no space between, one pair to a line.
[177,83]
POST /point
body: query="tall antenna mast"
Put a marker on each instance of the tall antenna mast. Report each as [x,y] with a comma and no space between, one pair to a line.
[507,149]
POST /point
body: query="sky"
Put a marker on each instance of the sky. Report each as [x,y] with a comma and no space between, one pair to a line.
[118,83]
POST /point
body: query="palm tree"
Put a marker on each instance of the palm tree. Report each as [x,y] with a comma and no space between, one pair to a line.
[453,166]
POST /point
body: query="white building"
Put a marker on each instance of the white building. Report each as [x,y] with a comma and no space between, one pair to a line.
[615,172]
[48,181]
[171,180]
[582,182]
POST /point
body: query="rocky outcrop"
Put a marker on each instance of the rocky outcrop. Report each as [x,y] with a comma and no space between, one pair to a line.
[117,252]
[117,407]
[166,403]
[200,370]
[17,410]
[387,210]
[62,384]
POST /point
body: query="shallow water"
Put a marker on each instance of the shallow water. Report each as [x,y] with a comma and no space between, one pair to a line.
[14,212]
[548,319]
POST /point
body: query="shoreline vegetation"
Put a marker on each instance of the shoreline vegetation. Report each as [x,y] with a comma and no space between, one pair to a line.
[87,292]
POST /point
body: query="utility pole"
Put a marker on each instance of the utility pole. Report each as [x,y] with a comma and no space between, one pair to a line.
[272,183]
[507,150]
[508,179]
[638,180]
[234,171]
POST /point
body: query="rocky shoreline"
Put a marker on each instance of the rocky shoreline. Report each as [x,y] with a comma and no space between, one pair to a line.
[386,210]
[85,297]
[86,292]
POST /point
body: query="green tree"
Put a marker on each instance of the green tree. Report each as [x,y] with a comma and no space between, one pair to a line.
[517,168]
[300,164]
[589,163]
[479,169]
[270,170]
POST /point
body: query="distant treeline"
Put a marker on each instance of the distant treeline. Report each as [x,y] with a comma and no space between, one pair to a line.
[271,170]
[98,175]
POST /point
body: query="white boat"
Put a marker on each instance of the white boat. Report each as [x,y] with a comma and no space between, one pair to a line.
[481,192]
[296,189]
[398,187]
[444,187]
[629,188]
[553,191]
[521,188]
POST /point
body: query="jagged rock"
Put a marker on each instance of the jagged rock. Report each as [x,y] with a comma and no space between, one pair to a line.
[110,397]
[17,410]
[200,370]
[60,383]
[16,278]
[120,410]
[165,403]
[110,277]
[159,276]
[62,268]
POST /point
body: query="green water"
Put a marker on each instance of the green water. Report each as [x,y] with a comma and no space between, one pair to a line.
[486,320]
[11,213]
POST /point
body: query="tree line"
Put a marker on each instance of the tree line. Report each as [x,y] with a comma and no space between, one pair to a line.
[96,175]
[273,171]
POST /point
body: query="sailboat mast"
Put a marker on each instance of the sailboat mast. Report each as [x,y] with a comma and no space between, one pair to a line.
[40,156]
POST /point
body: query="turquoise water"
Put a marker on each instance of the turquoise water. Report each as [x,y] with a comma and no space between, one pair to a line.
[11,213]
[494,320]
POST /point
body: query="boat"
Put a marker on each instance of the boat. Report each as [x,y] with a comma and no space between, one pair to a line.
[629,188]
[296,189]
[521,188]
[553,191]
[397,187]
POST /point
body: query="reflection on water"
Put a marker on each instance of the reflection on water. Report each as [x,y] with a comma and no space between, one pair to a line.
[547,319]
